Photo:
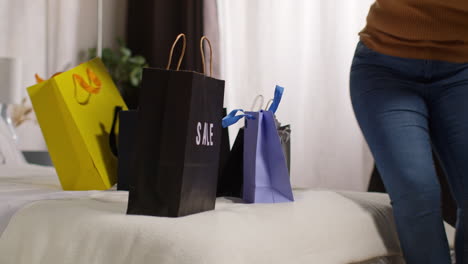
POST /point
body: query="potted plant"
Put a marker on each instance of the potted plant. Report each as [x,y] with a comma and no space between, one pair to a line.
[125,69]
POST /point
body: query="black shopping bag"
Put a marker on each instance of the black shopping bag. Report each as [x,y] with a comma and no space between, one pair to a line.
[224,153]
[178,143]
[232,176]
[124,147]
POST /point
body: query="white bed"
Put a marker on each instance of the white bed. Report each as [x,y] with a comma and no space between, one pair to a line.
[39,223]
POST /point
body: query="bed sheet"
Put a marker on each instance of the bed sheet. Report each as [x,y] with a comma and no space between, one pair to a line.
[321,226]
[23,184]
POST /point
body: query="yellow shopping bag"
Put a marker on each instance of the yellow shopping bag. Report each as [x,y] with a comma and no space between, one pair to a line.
[75,111]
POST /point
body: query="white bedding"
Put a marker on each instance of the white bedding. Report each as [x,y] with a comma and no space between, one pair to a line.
[23,184]
[91,227]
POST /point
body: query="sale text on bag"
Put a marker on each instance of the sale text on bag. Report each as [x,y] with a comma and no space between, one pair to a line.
[204,134]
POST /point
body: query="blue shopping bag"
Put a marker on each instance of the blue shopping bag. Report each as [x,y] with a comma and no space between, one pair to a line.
[266,177]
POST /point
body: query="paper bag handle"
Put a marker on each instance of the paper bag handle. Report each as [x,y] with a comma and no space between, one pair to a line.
[269,103]
[112,135]
[255,102]
[184,44]
[202,51]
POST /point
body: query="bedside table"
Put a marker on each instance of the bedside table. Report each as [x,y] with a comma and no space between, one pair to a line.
[38,157]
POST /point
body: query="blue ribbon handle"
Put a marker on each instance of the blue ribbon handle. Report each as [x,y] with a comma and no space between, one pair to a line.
[232,118]
[277,99]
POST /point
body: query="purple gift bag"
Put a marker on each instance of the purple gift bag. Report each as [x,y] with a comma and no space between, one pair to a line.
[266,177]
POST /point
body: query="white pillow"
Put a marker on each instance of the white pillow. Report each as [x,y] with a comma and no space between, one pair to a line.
[9,152]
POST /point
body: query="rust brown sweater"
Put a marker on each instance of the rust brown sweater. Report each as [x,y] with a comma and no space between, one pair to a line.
[419,29]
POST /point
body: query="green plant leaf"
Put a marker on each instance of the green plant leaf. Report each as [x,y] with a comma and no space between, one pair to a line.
[139,60]
[91,53]
[125,52]
[135,77]
[108,56]
[126,70]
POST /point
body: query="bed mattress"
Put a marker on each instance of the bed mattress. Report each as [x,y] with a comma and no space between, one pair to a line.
[43,224]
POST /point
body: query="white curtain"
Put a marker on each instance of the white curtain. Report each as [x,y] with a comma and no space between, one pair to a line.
[23,27]
[307,47]
[53,35]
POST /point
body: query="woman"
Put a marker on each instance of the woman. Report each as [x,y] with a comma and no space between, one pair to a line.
[409,89]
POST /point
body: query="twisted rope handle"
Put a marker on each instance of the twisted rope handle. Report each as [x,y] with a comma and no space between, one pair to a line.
[202,41]
[184,44]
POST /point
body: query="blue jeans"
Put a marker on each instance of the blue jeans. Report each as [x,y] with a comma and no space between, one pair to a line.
[406,108]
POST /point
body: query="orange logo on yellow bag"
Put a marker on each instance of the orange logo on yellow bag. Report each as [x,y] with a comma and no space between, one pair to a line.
[92,86]
[93,80]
